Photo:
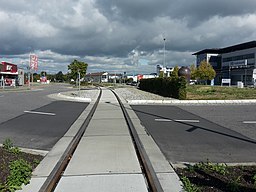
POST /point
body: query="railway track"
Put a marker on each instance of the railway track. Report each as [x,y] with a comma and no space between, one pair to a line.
[147,170]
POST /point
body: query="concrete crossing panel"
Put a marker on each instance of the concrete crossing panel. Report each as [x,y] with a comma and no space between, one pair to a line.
[107,127]
[102,155]
[108,114]
[99,183]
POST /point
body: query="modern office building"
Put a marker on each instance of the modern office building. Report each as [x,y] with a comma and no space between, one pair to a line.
[236,62]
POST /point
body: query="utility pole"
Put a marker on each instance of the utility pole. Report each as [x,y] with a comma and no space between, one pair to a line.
[164,55]
[229,74]
[28,76]
[245,63]
[79,83]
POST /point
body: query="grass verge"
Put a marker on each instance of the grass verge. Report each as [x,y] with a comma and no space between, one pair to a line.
[202,92]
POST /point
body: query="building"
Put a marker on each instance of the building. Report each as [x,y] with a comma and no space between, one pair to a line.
[101,77]
[166,70]
[10,75]
[235,62]
[115,77]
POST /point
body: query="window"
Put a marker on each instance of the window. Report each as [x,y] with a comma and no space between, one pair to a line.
[240,57]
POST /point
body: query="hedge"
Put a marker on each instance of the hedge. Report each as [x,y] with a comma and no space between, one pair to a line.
[168,87]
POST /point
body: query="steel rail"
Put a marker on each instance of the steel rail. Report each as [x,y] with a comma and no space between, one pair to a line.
[150,174]
[55,175]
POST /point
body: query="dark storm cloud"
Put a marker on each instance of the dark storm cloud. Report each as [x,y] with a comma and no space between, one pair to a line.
[193,10]
[106,32]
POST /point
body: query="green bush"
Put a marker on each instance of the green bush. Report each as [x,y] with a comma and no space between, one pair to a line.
[188,186]
[254,179]
[7,144]
[20,172]
[168,87]
[208,166]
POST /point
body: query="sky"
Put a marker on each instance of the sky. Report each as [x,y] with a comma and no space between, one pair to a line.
[120,35]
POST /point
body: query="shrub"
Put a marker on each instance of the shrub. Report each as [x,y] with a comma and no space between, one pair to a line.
[20,172]
[7,144]
[208,166]
[254,179]
[188,186]
[168,87]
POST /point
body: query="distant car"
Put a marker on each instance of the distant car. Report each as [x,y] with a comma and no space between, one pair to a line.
[134,83]
[192,82]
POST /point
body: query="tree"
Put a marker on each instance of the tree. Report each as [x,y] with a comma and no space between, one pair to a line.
[175,72]
[36,77]
[76,66]
[193,72]
[43,73]
[161,74]
[205,71]
[60,76]
[51,77]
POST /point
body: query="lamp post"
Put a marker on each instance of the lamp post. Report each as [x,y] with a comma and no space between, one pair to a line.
[229,76]
[78,71]
[29,71]
[164,54]
[245,71]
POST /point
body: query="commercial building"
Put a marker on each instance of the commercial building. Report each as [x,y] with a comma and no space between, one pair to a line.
[236,62]
[101,77]
[10,75]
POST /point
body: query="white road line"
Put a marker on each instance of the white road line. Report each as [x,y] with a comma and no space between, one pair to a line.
[40,113]
[37,89]
[187,120]
[249,122]
[166,120]
[179,120]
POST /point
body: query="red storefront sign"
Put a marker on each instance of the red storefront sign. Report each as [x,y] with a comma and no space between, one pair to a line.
[139,77]
[8,67]
[33,62]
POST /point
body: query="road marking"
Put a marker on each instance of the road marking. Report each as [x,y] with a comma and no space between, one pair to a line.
[187,120]
[179,120]
[249,122]
[40,113]
[37,89]
[166,120]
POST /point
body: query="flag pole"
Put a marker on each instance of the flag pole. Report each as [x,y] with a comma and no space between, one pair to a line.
[29,76]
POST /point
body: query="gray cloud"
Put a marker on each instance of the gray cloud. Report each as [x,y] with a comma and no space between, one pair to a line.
[104,33]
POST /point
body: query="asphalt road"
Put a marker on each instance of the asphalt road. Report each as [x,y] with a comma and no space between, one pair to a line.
[41,130]
[239,118]
[192,135]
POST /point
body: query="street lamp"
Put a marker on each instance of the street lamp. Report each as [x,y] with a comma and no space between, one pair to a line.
[29,73]
[164,52]
[245,63]
[229,74]
[79,94]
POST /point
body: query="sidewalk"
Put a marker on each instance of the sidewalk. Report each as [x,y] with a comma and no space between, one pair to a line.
[105,159]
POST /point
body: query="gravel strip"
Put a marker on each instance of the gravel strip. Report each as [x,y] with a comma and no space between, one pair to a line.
[128,93]
[133,93]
